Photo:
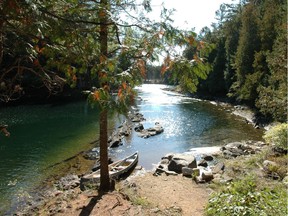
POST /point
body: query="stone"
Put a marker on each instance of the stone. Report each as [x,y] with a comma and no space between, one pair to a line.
[182,160]
[136,117]
[164,161]
[139,127]
[203,163]
[176,165]
[124,130]
[267,165]
[198,179]
[218,168]
[168,156]
[187,171]
[68,182]
[208,157]
[279,150]
[146,133]
[233,152]
[233,145]
[115,142]
[207,175]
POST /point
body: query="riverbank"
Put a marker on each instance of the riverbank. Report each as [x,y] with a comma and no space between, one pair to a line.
[144,193]
[62,200]
[249,115]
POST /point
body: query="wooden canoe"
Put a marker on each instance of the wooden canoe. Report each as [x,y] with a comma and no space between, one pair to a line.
[116,169]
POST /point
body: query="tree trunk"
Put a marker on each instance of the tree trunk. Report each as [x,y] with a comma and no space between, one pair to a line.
[104,172]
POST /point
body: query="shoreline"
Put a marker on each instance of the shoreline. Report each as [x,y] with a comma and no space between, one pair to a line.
[199,150]
[241,110]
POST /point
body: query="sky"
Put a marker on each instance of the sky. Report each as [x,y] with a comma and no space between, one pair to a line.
[191,13]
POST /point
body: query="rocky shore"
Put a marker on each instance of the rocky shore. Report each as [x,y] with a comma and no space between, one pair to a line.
[169,189]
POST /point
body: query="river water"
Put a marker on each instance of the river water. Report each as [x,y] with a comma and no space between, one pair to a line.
[43,135]
[187,122]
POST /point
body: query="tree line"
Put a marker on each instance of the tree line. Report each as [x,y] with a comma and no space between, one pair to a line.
[249,60]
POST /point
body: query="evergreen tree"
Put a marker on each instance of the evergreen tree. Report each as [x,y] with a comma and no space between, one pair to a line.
[249,43]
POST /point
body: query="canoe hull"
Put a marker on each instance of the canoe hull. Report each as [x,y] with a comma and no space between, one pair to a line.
[116,170]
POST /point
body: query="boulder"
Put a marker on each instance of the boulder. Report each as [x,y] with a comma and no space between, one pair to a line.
[268,165]
[115,142]
[198,179]
[233,152]
[236,149]
[163,169]
[279,150]
[146,133]
[233,145]
[218,168]
[203,163]
[207,175]
[164,161]
[136,117]
[168,156]
[182,160]
[139,127]
[208,157]
[187,171]
[124,129]
[176,165]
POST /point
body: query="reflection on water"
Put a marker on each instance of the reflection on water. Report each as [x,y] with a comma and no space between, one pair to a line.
[187,122]
[40,137]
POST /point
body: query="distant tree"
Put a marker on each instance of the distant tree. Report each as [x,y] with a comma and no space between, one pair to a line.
[272,99]
[231,30]
[153,73]
[249,43]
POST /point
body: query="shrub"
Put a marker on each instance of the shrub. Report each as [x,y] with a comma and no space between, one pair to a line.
[242,198]
[277,135]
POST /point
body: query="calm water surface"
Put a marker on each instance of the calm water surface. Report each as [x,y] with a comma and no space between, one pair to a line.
[44,135]
[40,137]
[187,122]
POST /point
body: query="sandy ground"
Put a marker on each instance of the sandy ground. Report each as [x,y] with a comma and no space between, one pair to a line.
[142,194]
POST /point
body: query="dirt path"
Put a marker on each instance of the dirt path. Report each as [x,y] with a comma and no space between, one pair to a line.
[175,195]
[143,194]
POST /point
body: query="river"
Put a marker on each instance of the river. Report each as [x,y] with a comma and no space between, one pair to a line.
[43,135]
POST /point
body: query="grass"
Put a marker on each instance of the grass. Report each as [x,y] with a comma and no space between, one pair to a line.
[247,197]
[251,193]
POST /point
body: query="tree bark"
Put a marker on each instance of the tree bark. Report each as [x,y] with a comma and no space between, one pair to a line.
[104,172]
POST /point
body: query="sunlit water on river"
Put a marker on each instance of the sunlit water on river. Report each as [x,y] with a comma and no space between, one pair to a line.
[187,122]
[44,135]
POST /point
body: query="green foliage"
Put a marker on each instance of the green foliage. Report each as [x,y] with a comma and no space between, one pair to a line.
[254,37]
[188,70]
[273,94]
[277,135]
[243,197]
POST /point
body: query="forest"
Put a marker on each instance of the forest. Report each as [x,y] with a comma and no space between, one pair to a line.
[249,56]
[249,62]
